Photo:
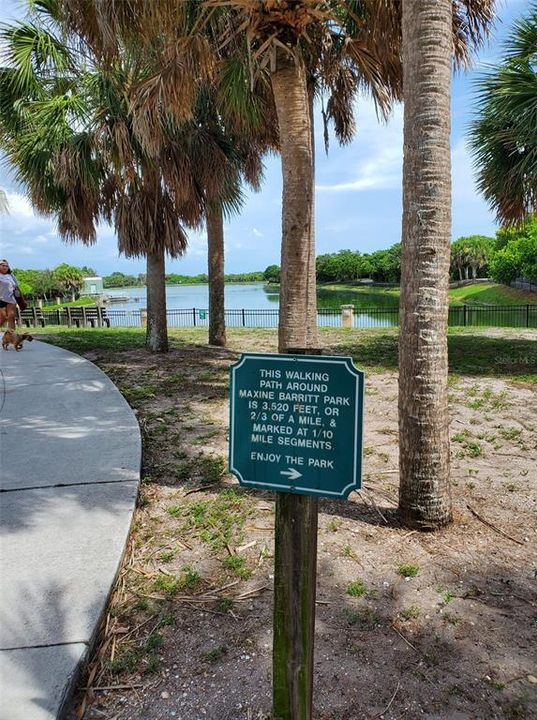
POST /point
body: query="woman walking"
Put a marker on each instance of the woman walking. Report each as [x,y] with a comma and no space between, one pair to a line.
[9,292]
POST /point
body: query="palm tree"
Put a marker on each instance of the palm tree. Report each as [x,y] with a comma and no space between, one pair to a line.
[65,130]
[424,491]
[298,42]
[73,139]
[246,132]
[23,92]
[503,135]
[69,278]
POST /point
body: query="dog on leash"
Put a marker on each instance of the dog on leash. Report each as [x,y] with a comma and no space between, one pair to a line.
[15,339]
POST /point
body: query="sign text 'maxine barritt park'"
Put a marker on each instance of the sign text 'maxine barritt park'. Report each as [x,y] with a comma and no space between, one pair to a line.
[296,424]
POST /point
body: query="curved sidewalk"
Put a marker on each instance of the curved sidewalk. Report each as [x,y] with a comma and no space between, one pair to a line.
[70,453]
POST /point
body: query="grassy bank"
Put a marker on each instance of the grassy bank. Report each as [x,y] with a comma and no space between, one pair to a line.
[83,301]
[506,353]
[490,294]
[478,294]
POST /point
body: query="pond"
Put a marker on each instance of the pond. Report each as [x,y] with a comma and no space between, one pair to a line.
[252,305]
[256,305]
[251,296]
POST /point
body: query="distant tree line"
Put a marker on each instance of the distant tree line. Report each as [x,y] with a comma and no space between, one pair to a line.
[64,281]
[510,255]
[119,279]
[347,266]
[173,279]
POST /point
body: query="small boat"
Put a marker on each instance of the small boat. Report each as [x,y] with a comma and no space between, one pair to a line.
[118,298]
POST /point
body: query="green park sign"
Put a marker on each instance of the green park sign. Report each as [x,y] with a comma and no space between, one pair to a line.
[296,424]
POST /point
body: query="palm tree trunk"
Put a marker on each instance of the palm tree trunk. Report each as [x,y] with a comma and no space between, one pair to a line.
[157,327]
[298,303]
[294,611]
[424,493]
[215,241]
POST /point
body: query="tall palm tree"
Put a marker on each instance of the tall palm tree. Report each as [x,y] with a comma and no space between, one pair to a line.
[424,491]
[293,41]
[65,128]
[247,131]
[503,135]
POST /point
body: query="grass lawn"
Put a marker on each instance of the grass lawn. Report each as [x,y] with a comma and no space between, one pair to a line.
[490,294]
[80,302]
[471,352]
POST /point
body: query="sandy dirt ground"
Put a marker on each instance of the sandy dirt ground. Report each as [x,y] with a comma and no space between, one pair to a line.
[408,625]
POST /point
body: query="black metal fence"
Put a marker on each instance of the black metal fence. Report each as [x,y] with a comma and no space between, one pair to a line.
[524,316]
[493,316]
[525,284]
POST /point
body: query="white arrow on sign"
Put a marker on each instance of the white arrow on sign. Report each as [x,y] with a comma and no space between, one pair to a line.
[292,473]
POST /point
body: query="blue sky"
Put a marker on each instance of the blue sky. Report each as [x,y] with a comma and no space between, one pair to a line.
[358,193]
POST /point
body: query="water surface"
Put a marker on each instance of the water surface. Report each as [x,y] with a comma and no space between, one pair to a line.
[251,296]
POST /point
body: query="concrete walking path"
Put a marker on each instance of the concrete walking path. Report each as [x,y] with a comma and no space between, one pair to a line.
[70,454]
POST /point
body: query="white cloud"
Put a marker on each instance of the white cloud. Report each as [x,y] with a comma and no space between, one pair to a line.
[471,214]
[197,243]
[381,172]
[376,155]
[24,233]
[257,233]
[25,250]
[19,205]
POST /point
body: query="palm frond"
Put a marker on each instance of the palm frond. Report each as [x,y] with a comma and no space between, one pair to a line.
[146,220]
[503,135]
